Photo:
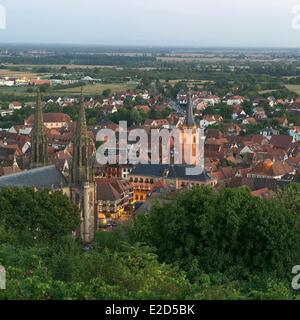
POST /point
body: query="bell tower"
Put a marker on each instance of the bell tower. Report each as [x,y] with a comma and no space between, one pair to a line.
[82,180]
[189,131]
[39,144]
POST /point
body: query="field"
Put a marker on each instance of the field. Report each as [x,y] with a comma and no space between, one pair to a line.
[188,82]
[266,91]
[183,58]
[19,74]
[93,89]
[294,87]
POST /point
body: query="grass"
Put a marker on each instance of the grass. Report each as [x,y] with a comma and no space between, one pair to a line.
[96,89]
[294,87]
[19,74]
[59,66]
[266,91]
[92,89]
[16,91]
[189,82]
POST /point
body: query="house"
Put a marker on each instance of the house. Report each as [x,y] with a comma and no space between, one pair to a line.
[110,108]
[161,123]
[144,108]
[269,132]
[249,121]
[235,100]
[9,155]
[210,119]
[175,121]
[259,113]
[238,112]
[6,113]
[51,120]
[5,171]
[224,173]
[13,139]
[251,149]
[39,82]
[271,101]
[88,79]
[213,133]
[5,82]
[200,105]
[15,105]
[262,193]
[182,98]
[258,102]
[20,129]
[114,197]
[282,121]
[268,169]
[211,100]
[295,133]
[144,178]
[232,129]
[281,141]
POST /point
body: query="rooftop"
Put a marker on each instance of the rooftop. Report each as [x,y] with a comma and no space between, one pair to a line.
[42,178]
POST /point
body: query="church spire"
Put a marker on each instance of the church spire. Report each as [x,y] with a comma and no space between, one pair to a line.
[190,121]
[39,145]
[82,162]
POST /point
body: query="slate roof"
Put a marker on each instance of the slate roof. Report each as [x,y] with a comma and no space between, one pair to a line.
[168,171]
[41,178]
[258,183]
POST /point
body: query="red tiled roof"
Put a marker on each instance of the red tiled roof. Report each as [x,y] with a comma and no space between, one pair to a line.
[281,141]
[50,118]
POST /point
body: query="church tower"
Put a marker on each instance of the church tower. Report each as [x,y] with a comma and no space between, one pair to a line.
[82,181]
[189,147]
[39,144]
[190,121]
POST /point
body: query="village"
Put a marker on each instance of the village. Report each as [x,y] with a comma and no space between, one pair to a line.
[252,144]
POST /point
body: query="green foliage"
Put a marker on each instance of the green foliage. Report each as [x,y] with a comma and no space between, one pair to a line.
[230,232]
[37,214]
[132,116]
[205,245]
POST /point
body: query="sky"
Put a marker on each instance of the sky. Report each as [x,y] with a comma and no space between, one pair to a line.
[200,23]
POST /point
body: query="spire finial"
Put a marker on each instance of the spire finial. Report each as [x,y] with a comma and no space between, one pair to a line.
[190,122]
[81,171]
[39,145]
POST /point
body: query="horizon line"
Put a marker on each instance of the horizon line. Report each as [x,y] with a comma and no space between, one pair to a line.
[146,45]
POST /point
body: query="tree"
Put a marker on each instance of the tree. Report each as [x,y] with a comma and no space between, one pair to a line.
[230,232]
[38,214]
[106,93]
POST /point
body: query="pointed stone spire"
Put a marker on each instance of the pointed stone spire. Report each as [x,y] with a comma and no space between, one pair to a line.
[39,144]
[82,162]
[190,121]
